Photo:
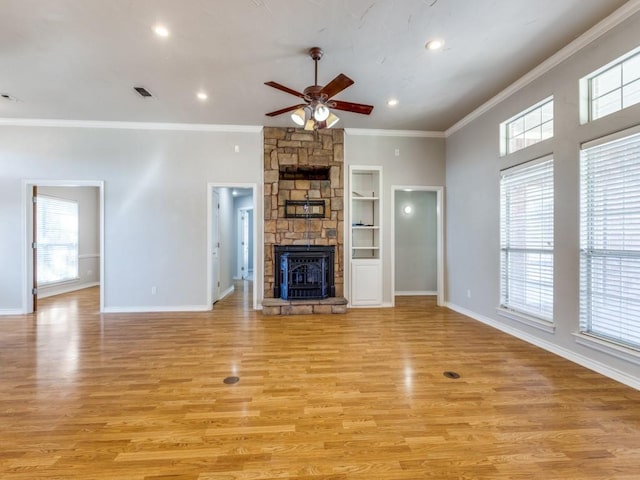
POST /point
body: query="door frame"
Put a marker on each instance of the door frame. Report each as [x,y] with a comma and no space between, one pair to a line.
[27,236]
[254,190]
[439,237]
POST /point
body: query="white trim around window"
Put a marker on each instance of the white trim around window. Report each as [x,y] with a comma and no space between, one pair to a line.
[611,88]
[610,241]
[527,128]
[526,242]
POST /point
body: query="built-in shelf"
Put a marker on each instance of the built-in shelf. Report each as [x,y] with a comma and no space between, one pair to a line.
[365,185]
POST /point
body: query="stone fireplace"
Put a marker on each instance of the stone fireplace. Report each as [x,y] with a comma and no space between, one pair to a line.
[303,208]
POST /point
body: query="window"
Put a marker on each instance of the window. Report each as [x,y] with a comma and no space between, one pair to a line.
[57,239]
[526,239]
[610,239]
[614,87]
[527,128]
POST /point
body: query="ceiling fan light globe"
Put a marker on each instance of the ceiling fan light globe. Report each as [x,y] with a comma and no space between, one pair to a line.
[298,116]
[321,112]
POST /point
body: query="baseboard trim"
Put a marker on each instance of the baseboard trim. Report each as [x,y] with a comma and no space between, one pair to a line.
[44,292]
[160,309]
[227,292]
[419,293]
[586,362]
[376,305]
[11,311]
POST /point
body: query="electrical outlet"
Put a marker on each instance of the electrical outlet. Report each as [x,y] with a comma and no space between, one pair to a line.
[154,290]
[469,293]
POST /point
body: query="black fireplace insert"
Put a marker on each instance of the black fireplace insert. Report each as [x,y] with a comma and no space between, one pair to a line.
[304,272]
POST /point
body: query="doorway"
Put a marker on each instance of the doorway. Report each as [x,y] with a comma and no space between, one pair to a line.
[66,265]
[215,246]
[417,239]
[231,238]
[244,243]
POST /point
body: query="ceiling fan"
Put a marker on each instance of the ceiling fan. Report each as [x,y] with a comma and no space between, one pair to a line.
[316,113]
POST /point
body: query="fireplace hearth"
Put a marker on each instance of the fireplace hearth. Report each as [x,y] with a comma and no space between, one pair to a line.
[305,272]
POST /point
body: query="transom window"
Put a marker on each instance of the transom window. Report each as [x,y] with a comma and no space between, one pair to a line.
[528,127]
[614,87]
[526,239]
[610,239]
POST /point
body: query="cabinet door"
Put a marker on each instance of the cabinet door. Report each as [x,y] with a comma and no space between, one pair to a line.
[366,282]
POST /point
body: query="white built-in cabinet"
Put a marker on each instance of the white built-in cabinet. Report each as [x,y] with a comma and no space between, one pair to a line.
[365,213]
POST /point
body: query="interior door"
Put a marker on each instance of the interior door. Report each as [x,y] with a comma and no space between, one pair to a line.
[215,245]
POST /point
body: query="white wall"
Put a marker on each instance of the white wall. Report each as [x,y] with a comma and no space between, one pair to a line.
[88,237]
[420,162]
[472,199]
[416,247]
[155,199]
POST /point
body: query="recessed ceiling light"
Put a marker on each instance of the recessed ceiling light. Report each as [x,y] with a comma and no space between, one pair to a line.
[435,44]
[392,102]
[161,31]
[202,96]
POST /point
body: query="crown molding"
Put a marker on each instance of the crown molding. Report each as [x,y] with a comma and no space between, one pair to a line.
[612,21]
[393,133]
[185,127]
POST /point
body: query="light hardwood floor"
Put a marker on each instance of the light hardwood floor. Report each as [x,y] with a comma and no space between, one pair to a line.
[356,396]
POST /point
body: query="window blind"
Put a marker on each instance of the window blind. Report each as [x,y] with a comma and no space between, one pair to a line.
[57,239]
[526,239]
[610,240]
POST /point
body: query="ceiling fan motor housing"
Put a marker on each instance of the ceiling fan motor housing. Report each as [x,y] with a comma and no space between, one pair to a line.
[316,53]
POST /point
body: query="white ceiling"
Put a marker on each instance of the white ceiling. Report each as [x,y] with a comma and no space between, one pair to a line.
[80,59]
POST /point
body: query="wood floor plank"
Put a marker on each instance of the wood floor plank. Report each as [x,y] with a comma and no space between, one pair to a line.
[359,396]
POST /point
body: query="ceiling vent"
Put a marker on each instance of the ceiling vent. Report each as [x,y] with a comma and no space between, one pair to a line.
[143,92]
[5,97]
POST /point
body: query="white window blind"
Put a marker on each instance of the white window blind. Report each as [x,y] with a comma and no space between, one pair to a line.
[526,239]
[57,240]
[610,240]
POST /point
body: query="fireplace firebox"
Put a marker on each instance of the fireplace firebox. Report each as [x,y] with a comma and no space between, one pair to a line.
[305,272]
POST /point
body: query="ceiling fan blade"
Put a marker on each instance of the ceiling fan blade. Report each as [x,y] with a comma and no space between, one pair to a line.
[284,89]
[352,107]
[336,85]
[285,110]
